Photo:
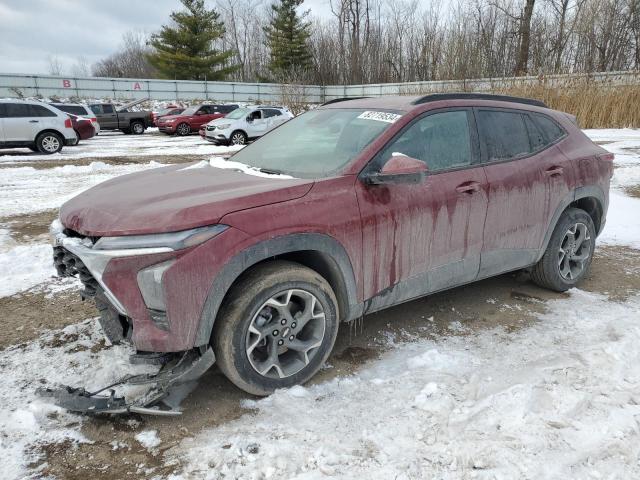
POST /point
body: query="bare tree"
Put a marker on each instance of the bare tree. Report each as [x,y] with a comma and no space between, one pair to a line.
[55,66]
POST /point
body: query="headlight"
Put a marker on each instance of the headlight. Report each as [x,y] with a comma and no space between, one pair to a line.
[224,126]
[171,241]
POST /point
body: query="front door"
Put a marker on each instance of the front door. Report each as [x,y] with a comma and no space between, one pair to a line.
[106,115]
[421,238]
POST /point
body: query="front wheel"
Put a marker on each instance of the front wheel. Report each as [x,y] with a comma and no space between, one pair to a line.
[183,129]
[49,142]
[276,328]
[569,252]
[238,138]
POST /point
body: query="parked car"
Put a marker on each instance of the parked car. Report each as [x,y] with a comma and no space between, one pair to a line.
[80,110]
[192,118]
[34,125]
[165,112]
[111,117]
[83,127]
[245,124]
[348,209]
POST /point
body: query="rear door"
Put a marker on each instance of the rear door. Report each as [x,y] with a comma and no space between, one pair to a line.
[274,117]
[21,123]
[521,169]
[421,238]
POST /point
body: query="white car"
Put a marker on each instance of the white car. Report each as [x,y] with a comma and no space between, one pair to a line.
[80,110]
[34,125]
[244,124]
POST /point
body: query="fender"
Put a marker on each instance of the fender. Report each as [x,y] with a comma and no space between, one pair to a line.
[269,249]
[580,192]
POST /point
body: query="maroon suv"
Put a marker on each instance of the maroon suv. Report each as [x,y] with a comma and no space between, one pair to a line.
[192,118]
[350,208]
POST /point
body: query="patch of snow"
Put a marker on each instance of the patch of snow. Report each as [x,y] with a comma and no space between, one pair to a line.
[23,267]
[219,162]
[558,399]
[623,226]
[148,439]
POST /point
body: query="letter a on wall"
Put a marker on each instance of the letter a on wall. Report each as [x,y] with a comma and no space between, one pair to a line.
[136,86]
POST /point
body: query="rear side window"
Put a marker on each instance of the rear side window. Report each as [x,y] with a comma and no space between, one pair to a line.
[17,110]
[271,112]
[75,109]
[40,111]
[441,140]
[550,129]
[504,133]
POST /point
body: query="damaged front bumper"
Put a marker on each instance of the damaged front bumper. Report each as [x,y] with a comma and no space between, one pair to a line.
[183,368]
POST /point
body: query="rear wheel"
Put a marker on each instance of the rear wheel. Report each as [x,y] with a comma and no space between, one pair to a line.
[183,129]
[276,328]
[137,127]
[238,138]
[569,253]
[49,142]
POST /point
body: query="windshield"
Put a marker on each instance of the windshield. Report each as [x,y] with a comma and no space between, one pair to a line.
[191,110]
[318,143]
[238,113]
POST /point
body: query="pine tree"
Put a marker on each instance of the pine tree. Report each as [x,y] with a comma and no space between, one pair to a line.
[287,36]
[186,51]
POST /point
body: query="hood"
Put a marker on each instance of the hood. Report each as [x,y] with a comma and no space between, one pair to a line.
[173,198]
[165,118]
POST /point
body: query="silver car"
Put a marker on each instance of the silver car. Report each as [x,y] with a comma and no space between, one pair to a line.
[34,125]
[244,124]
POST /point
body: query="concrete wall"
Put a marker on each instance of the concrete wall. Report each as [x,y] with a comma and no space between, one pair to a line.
[121,89]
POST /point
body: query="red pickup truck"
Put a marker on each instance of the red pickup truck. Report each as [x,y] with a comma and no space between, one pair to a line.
[192,118]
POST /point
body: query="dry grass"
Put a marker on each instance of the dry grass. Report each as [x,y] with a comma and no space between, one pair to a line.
[596,104]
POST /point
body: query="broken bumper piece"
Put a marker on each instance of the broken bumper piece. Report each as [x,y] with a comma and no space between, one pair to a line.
[187,367]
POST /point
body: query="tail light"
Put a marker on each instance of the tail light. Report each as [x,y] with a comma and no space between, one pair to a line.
[67,123]
[93,119]
[607,158]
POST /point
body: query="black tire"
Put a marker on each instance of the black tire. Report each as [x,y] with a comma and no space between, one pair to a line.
[238,137]
[33,148]
[77,137]
[246,300]
[548,271]
[137,127]
[49,142]
[183,129]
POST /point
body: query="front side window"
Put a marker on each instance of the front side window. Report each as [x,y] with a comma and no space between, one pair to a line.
[441,140]
[504,133]
[316,144]
[97,109]
[107,108]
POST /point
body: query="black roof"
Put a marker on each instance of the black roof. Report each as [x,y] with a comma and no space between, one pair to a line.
[433,97]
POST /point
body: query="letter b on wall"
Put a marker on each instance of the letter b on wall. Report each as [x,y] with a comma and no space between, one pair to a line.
[66,83]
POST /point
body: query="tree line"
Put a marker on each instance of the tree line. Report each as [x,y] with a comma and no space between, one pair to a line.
[378,41]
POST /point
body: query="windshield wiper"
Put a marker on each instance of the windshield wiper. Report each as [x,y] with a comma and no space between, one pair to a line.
[270,171]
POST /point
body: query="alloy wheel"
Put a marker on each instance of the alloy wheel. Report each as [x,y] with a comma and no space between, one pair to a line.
[574,251]
[138,128]
[183,129]
[50,143]
[285,334]
[237,139]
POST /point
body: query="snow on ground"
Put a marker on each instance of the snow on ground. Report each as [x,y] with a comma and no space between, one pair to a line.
[558,399]
[116,144]
[62,357]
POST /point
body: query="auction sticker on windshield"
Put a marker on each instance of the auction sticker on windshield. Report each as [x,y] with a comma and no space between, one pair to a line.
[380,116]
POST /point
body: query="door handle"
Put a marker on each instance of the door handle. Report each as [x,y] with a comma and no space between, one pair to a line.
[34,121]
[554,171]
[468,187]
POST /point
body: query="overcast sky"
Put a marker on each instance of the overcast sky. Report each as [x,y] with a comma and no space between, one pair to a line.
[32,31]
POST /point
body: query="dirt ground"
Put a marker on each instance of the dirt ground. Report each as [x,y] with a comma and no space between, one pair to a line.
[508,301]
[43,164]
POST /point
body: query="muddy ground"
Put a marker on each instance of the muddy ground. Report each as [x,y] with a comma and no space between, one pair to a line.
[508,301]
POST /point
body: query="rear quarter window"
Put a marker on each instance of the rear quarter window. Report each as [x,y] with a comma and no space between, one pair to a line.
[550,129]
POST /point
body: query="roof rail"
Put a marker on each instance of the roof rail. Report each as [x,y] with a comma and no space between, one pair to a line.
[478,96]
[343,99]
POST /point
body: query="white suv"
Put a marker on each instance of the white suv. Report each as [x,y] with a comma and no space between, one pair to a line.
[34,125]
[244,124]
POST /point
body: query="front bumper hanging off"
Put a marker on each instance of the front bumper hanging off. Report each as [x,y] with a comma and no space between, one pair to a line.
[184,368]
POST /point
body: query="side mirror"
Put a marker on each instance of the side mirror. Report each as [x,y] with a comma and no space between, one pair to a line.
[399,169]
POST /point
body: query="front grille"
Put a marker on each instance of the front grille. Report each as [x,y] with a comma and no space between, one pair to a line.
[69,265]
